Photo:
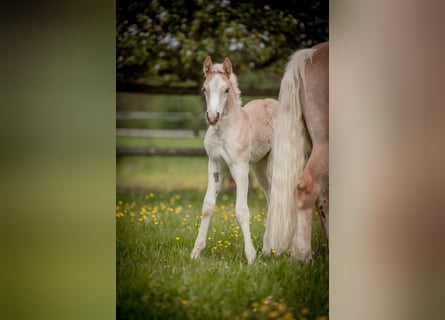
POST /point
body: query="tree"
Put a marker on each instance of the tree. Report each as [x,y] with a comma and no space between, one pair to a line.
[164,40]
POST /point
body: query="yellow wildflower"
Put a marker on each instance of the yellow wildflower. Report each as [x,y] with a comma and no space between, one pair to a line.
[304,311]
[282,307]
[264,308]
[288,316]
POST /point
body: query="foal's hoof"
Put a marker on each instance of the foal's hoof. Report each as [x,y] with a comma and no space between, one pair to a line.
[195,253]
[251,255]
[250,260]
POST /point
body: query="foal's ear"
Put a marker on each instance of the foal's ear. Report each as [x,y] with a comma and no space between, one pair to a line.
[227,66]
[207,65]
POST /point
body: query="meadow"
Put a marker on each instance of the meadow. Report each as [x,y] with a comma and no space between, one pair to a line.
[158,206]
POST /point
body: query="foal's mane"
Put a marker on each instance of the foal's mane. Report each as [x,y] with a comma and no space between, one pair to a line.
[217,68]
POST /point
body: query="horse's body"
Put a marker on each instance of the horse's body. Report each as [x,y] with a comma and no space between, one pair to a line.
[296,187]
[238,137]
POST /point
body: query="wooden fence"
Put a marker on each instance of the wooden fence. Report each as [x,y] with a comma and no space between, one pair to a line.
[150,151]
[123,86]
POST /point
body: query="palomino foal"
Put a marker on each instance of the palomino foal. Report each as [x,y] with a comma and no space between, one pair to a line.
[238,137]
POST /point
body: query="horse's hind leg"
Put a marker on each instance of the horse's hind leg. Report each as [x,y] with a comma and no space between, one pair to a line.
[262,174]
[213,187]
[323,208]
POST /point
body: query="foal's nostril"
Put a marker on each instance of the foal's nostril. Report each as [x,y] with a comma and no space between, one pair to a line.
[212,117]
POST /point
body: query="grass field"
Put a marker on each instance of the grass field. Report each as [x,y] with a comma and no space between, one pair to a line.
[157,280]
[157,216]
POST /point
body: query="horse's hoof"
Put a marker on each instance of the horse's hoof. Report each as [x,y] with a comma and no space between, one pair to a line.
[301,255]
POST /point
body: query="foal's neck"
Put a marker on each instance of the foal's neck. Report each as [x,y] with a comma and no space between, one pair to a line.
[233,105]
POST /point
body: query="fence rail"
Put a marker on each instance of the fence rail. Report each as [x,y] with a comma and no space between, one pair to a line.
[150,151]
[158,133]
[155,115]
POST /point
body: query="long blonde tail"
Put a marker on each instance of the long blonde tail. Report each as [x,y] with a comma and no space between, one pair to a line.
[288,152]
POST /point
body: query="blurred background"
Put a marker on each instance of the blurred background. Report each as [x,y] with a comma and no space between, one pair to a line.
[160,47]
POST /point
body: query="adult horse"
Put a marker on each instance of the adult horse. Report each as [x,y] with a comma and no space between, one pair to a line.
[296,187]
[238,137]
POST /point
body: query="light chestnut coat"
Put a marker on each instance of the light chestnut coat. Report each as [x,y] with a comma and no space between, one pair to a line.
[238,137]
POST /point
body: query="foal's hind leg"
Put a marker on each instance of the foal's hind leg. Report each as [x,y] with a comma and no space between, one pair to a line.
[262,174]
[213,187]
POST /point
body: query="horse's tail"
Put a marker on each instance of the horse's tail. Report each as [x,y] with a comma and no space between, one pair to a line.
[288,152]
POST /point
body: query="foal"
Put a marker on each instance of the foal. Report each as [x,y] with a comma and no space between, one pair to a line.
[238,137]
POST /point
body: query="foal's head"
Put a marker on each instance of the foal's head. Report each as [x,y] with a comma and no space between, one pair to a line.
[220,87]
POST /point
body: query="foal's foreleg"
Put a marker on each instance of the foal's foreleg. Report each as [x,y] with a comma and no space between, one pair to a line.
[213,187]
[312,187]
[240,174]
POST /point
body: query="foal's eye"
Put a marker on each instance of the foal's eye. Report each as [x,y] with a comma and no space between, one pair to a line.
[226,91]
[203,90]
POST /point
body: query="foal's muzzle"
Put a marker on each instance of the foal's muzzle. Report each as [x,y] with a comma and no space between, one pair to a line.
[212,117]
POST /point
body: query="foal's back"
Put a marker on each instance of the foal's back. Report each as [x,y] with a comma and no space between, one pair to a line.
[261,113]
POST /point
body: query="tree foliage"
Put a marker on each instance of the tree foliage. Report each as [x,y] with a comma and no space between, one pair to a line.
[168,40]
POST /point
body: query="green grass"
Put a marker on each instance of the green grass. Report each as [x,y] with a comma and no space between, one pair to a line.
[156,279]
[157,219]
[163,174]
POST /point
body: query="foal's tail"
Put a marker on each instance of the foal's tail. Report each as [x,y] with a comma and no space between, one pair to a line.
[288,152]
